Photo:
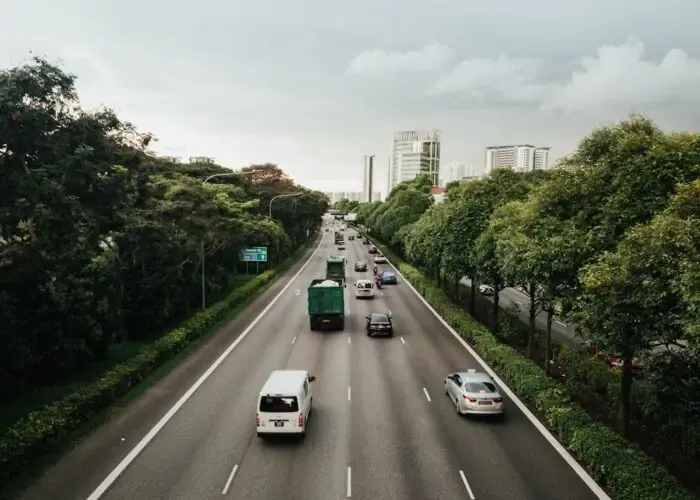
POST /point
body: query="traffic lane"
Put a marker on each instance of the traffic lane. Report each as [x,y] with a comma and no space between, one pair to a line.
[510,298]
[397,450]
[195,449]
[82,468]
[315,467]
[509,459]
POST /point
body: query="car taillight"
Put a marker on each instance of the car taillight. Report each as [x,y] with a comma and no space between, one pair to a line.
[257,420]
[497,400]
[471,400]
[300,420]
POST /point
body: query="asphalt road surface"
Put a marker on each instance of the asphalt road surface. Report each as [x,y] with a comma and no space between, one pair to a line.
[381,426]
[512,298]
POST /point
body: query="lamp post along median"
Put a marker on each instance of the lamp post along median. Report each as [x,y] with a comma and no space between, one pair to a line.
[201,242]
[269,214]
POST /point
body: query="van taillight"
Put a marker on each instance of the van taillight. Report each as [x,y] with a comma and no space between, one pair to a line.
[300,420]
[257,420]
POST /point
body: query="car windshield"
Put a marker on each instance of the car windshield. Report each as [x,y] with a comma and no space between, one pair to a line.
[479,387]
[379,318]
[278,404]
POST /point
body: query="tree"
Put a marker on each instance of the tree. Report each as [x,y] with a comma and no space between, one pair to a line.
[631,298]
[100,240]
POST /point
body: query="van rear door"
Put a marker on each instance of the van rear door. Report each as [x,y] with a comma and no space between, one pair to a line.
[279,411]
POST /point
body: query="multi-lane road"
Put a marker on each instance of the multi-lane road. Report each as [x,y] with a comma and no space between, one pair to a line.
[381,426]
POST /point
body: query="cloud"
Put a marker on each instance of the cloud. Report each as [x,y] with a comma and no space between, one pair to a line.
[503,79]
[619,77]
[430,58]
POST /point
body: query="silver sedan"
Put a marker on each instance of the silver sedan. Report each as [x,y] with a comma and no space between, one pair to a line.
[474,392]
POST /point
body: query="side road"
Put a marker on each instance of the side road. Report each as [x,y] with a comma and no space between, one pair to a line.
[105,447]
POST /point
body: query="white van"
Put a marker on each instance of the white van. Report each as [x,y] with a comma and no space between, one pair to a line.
[284,403]
[364,289]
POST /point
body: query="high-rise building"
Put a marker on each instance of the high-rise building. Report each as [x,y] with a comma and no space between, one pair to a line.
[414,153]
[335,197]
[541,158]
[518,157]
[368,180]
[171,159]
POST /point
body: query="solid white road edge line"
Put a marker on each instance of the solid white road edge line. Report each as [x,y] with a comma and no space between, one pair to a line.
[427,396]
[141,445]
[571,461]
[294,340]
[466,484]
[560,323]
[230,479]
[349,489]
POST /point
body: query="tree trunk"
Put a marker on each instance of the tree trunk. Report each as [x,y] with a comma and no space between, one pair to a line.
[548,341]
[472,297]
[456,287]
[532,314]
[623,416]
[494,312]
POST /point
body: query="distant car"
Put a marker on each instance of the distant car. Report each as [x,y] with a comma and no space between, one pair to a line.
[379,324]
[365,242]
[351,237]
[388,278]
[364,289]
[360,266]
[373,249]
[473,392]
[486,290]
[380,259]
[341,246]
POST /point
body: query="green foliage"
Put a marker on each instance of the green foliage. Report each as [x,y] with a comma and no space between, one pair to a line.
[100,240]
[618,466]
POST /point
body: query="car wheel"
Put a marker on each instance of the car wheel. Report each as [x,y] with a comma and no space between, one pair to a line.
[457,408]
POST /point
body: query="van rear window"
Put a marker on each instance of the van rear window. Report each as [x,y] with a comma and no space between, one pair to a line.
[279,404]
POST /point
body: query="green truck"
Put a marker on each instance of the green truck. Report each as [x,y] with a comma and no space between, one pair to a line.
[327,297]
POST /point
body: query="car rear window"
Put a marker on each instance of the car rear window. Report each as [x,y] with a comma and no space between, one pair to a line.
[365,285]
[477,387]
[379,318]
[279,404]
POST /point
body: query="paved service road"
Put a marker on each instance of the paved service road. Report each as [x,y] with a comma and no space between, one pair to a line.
[512,298]
[381,426]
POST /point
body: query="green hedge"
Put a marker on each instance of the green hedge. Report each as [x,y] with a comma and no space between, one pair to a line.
[619,466]
[39,431]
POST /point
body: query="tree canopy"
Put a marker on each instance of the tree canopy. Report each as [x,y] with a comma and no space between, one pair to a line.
[100,240]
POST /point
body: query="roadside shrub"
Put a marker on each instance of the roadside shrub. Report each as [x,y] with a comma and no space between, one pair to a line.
[618,465]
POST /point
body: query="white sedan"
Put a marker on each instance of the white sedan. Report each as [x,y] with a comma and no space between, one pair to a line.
[486,290]
[473,392]
[380,259]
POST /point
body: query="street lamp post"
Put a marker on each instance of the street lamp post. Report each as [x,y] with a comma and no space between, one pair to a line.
[201,242]
[269,214]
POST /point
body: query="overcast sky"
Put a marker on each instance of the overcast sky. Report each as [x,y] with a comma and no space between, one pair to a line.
[314,85]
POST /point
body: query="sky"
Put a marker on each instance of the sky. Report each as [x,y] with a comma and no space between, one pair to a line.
[314,85]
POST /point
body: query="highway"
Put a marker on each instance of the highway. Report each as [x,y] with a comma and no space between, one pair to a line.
[512,298]
[381,427]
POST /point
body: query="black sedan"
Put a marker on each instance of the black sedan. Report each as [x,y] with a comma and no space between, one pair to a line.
[360,265]
[379,324]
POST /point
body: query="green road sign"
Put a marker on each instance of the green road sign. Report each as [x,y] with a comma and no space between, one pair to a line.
[254,254]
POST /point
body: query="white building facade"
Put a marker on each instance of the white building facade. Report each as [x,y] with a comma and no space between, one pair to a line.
[414,153]
[517,157]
